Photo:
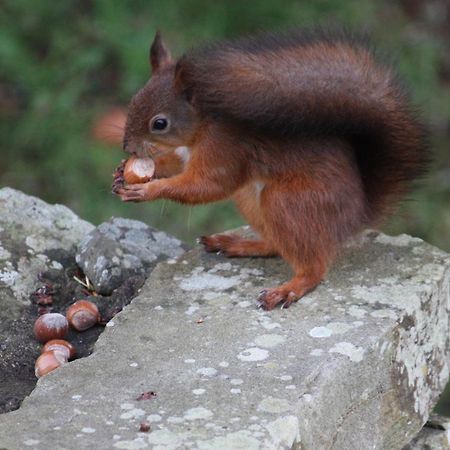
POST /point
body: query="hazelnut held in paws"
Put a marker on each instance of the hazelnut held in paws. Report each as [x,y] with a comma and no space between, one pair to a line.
[309,132]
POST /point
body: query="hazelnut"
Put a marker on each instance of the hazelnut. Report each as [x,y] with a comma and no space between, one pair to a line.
[61,346]
[138,170]
[82,315]
[48,362]
[50,326]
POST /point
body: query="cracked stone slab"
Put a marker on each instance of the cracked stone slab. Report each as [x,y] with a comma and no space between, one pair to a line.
[120,248]
[358,363]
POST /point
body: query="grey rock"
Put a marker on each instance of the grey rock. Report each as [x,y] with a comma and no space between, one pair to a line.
[34,237]
[356,364]
[435,435]
[120,248]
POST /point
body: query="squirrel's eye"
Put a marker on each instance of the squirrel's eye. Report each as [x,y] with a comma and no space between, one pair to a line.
[159,124]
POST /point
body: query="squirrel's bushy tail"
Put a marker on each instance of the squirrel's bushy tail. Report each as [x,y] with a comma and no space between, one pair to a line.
[314,83]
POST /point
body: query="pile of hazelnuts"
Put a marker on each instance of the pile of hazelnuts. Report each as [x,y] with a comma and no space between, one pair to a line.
[51,328]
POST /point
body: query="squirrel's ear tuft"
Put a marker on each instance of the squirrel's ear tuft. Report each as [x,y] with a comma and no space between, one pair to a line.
[159,53]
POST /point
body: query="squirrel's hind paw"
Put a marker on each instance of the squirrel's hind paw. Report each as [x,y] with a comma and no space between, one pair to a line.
[269,298]
[287,293]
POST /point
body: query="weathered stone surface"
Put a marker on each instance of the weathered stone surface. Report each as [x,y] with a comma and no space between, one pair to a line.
[121,248]
[35,237]
[435,435]
[356,364]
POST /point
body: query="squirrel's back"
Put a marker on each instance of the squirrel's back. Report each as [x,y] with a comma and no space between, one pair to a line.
[314,83]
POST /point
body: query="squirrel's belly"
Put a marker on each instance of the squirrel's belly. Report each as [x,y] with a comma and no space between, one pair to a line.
[248,202]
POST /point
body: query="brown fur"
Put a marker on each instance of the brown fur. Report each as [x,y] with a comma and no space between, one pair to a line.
[309,134]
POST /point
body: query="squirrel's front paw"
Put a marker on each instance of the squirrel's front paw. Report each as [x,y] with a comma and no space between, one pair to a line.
[139,192]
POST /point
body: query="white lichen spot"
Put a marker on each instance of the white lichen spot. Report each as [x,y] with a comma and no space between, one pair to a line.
[208,281]
[235,391]
[397,296]
[4,254]
[30,442]
[88,430]
[199,391]
[339,327]
[274,405]
[236,381]
[384,313]
[253,354]
[284,432]
[270,325]
[354,353]
[132,414]
[127,406]
[354,311]
[269,340]
[154,418]
[198,413]
[158,308]
[291,386]
[207,371]
[9,277]
[403,240]
[316,352]
[175,419]
[166,439]
[191,310]
[244,304]
[224,364]
[286,378]
[76,397]
[320,332]
[56,265]
[135,444]
[238,440]
[221,266]
[134,364]
[189,361]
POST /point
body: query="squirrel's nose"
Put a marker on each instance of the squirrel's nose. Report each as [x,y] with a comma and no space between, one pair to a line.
[127,147]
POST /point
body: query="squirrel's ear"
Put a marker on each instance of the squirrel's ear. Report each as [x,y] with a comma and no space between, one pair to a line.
[159,53]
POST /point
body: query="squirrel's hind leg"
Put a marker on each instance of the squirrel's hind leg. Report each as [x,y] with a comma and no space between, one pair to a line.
[232,245]
[306,221]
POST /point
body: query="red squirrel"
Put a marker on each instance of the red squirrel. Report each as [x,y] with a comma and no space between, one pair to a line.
[311,136]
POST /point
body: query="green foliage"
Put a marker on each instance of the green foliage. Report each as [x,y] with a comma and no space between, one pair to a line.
[63,63]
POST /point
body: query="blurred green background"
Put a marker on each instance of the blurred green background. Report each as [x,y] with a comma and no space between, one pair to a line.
[64,64]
